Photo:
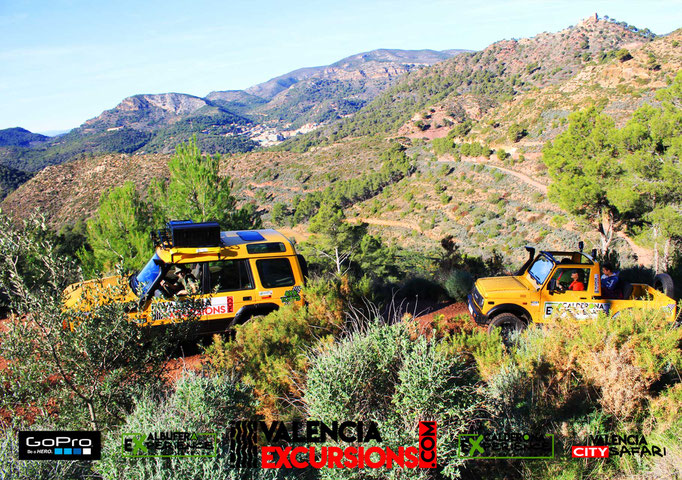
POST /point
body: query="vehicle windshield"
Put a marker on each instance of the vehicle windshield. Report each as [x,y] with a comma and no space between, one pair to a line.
[540,269]
[142,282]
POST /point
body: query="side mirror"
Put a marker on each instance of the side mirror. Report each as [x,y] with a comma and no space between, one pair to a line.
[552,285]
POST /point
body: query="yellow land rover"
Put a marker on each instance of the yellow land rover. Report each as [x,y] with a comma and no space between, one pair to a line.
[560,283]
[230,275]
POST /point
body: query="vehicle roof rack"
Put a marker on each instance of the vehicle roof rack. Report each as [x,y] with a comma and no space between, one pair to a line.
[187,234]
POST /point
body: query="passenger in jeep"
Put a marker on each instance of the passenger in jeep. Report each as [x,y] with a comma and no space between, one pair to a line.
[610,282]
[190,285]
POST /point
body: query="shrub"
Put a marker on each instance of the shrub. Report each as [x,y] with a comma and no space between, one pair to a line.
[624,360]
[516,132]
[79,372]
[458,283]
[559,221]
[270,352]
[387,375]
[623,55]
[198,404]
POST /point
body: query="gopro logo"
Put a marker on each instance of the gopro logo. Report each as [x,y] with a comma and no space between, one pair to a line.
[55,445]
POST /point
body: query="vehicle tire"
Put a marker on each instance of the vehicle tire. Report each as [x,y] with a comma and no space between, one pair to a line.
[664,283]
[509,324]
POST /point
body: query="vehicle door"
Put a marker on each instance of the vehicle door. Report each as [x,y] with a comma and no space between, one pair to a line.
[230,286]
[558,299]
[166,302]
[277,281]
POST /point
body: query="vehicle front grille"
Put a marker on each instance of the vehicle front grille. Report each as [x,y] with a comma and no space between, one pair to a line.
[478,298]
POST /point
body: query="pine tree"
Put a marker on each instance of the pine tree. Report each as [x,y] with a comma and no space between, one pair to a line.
[583,164]
[338,239]
[119,233]
[651,190]
[197,192]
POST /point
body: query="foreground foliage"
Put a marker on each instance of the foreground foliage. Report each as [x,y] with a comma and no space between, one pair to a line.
[390,375]
[81,367]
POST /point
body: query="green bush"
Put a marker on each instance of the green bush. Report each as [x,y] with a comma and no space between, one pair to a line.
[516,132]
[79,372]
[198,404]
[270,352]
[458,284]
[623,55]
[387,375]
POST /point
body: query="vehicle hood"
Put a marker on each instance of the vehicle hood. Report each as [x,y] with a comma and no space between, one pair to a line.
[91,293]
[501,286]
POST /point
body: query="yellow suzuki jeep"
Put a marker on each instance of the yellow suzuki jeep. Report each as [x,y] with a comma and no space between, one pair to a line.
[231,276]
[560,283]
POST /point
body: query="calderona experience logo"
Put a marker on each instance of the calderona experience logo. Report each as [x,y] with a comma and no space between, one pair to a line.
[169,444]
[506,445]
[281,445]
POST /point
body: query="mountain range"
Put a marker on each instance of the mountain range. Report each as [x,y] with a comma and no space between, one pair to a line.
[224,121]
[336,121]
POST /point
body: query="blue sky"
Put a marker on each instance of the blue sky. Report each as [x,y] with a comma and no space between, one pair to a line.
[65,61]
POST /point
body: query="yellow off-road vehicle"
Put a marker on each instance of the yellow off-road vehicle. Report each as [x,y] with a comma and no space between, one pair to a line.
[560,283]
[230,277]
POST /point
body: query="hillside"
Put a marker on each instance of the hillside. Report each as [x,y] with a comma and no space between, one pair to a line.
[16,146]
[10,179]
[470,85]
[20,137]
[619,87]
[149,112]
[71,191]
[361,64]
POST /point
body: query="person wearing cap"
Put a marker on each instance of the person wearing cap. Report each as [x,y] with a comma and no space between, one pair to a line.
[190,285]
[186,283]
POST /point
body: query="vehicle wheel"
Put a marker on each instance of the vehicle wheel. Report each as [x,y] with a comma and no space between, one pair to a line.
[509,324]
[663,283]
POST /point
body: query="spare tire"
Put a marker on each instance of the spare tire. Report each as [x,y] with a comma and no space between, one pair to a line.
[664,283]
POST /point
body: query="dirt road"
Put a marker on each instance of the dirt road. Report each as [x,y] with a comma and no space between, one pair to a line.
[645,256]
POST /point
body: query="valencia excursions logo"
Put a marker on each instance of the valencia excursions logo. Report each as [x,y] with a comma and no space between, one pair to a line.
[298,445]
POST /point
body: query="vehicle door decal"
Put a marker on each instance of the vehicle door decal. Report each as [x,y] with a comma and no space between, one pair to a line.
[293,295]
[172,310]
[579,310]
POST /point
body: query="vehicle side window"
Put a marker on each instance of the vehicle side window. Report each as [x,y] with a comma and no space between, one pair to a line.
[228,275]
[564,278]
[275,272]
